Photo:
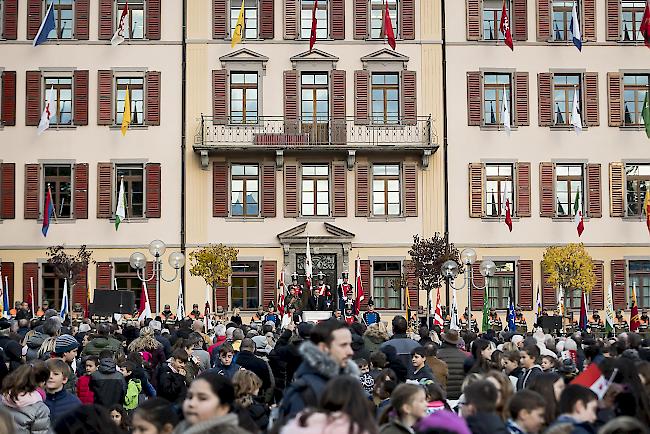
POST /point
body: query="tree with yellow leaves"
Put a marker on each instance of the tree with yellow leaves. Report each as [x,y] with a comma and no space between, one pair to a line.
[213,264]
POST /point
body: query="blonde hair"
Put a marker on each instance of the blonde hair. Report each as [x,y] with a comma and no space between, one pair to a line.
[246,383]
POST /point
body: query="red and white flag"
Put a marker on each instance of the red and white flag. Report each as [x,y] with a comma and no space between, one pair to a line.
[504,27]
[437,313]
[578,218]
[593,378]
[145,307]
[118,36]
[645,25]
[506,210]
[388,28]
[281,290]
[314,25]
[359,283]
[44,123]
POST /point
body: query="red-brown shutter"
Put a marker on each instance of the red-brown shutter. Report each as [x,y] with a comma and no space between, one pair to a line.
[8,99]
[32,191]
[362,190]
[616,194]
[619,283]
[80,196]
[267,29]
[340,196]
[104,97]
[473,20]
[338,124]
[151,287]
[407,29]
[549,295]
[591,99]
[7,191]
[547,189]
[594,199]
[80,104]
[520,20]
[412,283]
[152,19]
[544,20]
[360,19]
[80,288]
[615,98]
[410,190]
[476,190]
[219,19]
[104,276]
[409,98]
[7,270]
[521,99]
[361,97]
[477,297]
[612,18]
[30,271]
[81,18]
[291,203]
[219,97]
[34,17]
[152,109]
[268,190]
[474,99]
[291,19]
[219,189]
[153,187]
[104,190]
[365,281]
[291,107]
[522,198]
[525,283]
[545,98]
[221,296]
[269,282]
[105,20]
[596,300]
[10,19]
[589,25]
[337,22]
[33,98]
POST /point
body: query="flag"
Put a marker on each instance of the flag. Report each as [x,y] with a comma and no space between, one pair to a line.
[5,296]
[505,113]
[408,306]
[609,310]
[180,306]
[559,117]
[454,323]
[48,211]
[577,209]
[646,208]
[560,301]
[64,301]
[494,205]
[504,26]
[126,115]
[206,313]
[44,123]
[388,27]
[645,26]
[511,312]
[87,311]
[575,28]
[3,308]
[239,28]
[47,26]
[359,288]
[486,310]
[538,306]
[314,24]
[145,307]
[120,212]
[281,290]
[583,311]
[593,378]
[437,313]
[506,206]
[576,120]
[308,267]
[118,36]
[645,114]
[635,321]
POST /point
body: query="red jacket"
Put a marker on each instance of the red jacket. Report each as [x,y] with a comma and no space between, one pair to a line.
[86,396]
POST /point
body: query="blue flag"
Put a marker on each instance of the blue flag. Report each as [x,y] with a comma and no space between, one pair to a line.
[511,314]
[5,298]
[575,29]
[47,26]
[65,305]
[48,212]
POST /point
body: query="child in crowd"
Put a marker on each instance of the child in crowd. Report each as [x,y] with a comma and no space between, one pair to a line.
[84,393]
[133,386]
[57,399]
[66,348]
[527,411]
[419,369]
[436,399]
[528,358]
[23,396]
[107,383]
[479,409]
[226,365]
[367,381]
[171,377]
[247,386]
[153,417]
[378,361]
[409,403]
[120,417]
[548,364]
[578,407]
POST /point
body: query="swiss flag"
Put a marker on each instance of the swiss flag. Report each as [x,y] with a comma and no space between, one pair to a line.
[504,26]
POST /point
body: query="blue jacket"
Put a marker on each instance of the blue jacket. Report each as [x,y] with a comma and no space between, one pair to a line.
[60,403]
[577,427]
[226,371]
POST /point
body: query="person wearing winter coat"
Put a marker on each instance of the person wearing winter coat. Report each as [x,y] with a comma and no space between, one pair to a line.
[58,399]
[248,360]
[147,343]
[103,342]
[225,365]
[11,348]
[171,377]
[247,386]
[408,402]
[23,398]
[454,357]
[107,384]
[85,395]
[400,341]
[375,335]
[479,408]
[34,339]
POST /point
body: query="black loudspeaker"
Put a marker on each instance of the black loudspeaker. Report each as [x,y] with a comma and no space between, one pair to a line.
[550,323]
[107,302]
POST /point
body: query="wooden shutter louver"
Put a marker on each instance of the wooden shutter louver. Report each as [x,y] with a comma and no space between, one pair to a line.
[219,97]
[592,116]
[596,300]
[408,19]
[152,179]
[7,270]
[267,28]
[360,19]
[81,19]
[337,96]
[221,296]
[269,282]
[477,297]
[474,99]
[616,191]
[291,202]
[613,20]
[220,189]
[410,190]
[34,17]
[521,99]
[340,196]
[104,276]
[365,281]
[104,190]
[473,14]
[544,20]
[337,21]
[268,190]
[409,97]
[615,99]
[7,191]
[619,283]
[291,19]
[525,284]
[152,21]
[104,97]
[545,98]
[362,190]
[80,287]
[32,191]
[10,20]
[361,97]
[476,190]
[412,283]
[219,19]
[594,199]
[547,189]
[105,32]
[291,101]
[33,98]
[589,26]
[520,20]
[549,295]
[80,105]
[522,198]
[8,99]
[152,108]
[30,272]
[80,196]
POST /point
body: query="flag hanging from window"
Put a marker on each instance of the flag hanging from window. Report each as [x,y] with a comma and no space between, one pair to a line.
[48,211]
[576,119]
[504,27]
[645,26]
[646,208]
[44,123]
[388,28]
[314,25]
[46,27]
[239,27]
[120,212]
[505,113]
[126,115]
[575,28]
[635,322]
[118,36]
[577,209]
[506,210]
[645,113]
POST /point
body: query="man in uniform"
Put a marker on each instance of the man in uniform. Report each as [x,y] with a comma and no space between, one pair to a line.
[596,321]
[196,313]
[645,321]
[272,316]
[520,321]
[25,312]
[292,298]
[258,317]
[321,293]
[620,325]
[463,322]
[370,316]
[294,285]
[344,288]
[77,313]
[494,321]
[167,316]
[349,308]
[41,310]
[14,311]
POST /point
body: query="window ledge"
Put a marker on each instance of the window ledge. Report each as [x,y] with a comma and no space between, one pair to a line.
[243,219]
[59,220]
[635,219]
[499,219]
[569,219]
[61,127]
[499,128]
[131,220]
[377,218]
[131,127]
[565,127]
[632,127]
[315,219]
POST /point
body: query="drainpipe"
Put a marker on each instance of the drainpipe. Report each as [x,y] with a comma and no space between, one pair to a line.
[183,130]
[445,143]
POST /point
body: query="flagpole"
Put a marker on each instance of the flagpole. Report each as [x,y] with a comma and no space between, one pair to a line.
[49,190]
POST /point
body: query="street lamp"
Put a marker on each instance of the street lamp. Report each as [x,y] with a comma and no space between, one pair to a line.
[157,248]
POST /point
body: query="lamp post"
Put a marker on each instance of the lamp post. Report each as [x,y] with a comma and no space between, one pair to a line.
[157,248]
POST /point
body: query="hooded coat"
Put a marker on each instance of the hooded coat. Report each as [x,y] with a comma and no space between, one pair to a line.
[228,424]
[34,343]
[29,412]
[107,384]
[454,358]
[101,343]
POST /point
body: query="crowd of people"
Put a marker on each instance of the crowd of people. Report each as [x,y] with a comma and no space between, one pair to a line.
[283,377]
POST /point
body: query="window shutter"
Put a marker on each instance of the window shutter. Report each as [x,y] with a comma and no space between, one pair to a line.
[594,201]
[34,17]
[340,205]
[543,20]
[596,300]
[612,18]
[219,189]
[477,297]
[32,191]
[105,32]
[520,20]
[476,190]
[291,101]
[267,29]
[104,97]
[338,127]
[365,282]
[80,105]
[473,20]
[615,98]
[10,20]
[525,283]
[521,99]
[591,99]
[412,283]
[337,22]
[80,288]
[7,270]
[7,191]
[81,16]
[409,97]
[8,99]
[547,189]
[589,25]
[152,109]
[545,98]
[291,17]
[219,19]
[360,19]
[104,190]
[616,195]
[104,276]
[362,190]
[474,98]
[522,198]
[361,97]
[33,98]
[291,202]
[219,97]
[408,19]
[410,190]
[269,282]
[80,196]
[221,296]
[268,190]
[151,288]
[30,271]
[549,295]
[152,20]
[152,187]
[619,283]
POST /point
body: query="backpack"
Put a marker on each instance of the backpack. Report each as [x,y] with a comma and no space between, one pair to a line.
[133,390]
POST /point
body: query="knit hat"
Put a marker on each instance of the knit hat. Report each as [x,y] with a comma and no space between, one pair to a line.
[65,343]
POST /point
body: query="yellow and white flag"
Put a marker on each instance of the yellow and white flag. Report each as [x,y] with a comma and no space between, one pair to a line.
[126,116]
[237,33]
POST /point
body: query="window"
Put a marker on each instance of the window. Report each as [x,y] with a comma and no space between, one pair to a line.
[132,175]
[494,85]
[315,97]
[562,19]
[637,181]
[315,190]
[250,18]
[572,299]
[62,18]
[53,287]
[134,23]
[245,285]
[492,19]
[635,87]
[385,98]
[62,99]
[631,18]
[501,285]
[126,279]
[377,8]
[564,87]
[385,189]
[568,183]
[498,181]
[639,272]
[243,98]
[58,179]
[135,85]
[244,186]
[386,277]
[306,9]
